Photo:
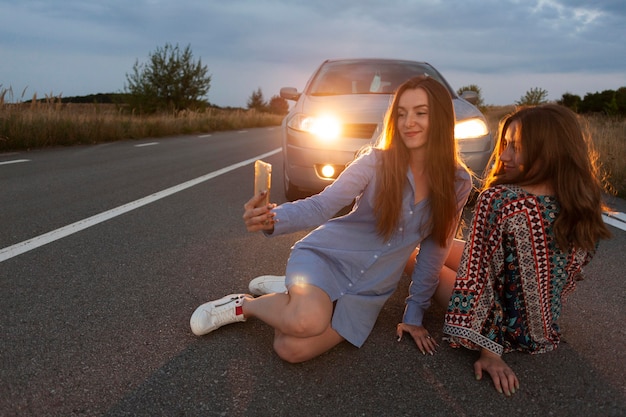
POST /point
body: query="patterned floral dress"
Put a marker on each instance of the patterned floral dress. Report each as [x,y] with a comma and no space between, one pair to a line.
[513,277]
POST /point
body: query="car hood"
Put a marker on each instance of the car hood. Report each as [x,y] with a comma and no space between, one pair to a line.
[465,110]
[367,108]
[356,108]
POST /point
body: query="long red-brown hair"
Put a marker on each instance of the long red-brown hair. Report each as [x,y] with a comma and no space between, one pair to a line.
[442,160]
[557,151]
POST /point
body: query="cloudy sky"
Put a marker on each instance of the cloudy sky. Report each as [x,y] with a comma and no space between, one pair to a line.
[506,47]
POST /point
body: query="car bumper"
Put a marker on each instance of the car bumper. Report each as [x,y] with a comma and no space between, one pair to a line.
[304,155]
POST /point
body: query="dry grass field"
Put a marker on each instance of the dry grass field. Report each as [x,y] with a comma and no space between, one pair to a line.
[52,123]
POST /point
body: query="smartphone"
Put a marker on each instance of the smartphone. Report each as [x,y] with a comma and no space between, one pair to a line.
[262,179]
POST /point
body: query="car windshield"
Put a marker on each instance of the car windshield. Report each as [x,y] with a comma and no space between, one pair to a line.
[367,77]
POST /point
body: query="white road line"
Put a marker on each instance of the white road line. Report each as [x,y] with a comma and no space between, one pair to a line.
[141,145]
[615,219]
[205,136]
[15,161]
[30,244]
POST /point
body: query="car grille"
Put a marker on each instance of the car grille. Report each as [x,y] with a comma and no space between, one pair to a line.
[359,130]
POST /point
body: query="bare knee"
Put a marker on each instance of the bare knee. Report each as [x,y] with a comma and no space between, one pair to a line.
[305,324]
[299,349]
[308,314]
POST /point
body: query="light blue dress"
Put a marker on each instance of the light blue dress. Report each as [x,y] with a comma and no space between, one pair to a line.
[350,261]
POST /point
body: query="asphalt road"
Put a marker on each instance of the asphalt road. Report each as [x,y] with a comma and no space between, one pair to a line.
[104,256]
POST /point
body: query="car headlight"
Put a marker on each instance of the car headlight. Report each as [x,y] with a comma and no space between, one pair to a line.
[324,127]
[471,128]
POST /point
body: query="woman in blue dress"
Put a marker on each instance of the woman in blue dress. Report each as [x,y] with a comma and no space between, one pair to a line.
[410,189]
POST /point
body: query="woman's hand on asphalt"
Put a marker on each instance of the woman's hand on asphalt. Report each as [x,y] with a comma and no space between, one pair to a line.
[425,343]
[503,377]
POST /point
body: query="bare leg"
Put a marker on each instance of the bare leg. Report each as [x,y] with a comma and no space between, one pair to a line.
[301,319]
[447,276]
[454,257]
[304,311]
[410,264]
[299,349]
[448,272]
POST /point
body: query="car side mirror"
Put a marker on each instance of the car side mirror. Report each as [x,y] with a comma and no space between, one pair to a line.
[289,93]
[470,96]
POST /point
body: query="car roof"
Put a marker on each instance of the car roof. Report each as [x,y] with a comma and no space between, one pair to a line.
[388,60]
[376,60]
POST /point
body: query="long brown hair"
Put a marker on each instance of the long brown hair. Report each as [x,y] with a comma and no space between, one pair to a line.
[441,157]
[556,151]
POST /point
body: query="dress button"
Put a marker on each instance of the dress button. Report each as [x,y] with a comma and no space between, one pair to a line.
[350,284]
[375,256]
[362,271]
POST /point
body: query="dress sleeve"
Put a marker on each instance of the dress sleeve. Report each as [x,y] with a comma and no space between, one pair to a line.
[482,262]
[428,264]
[317,209]
[425,279]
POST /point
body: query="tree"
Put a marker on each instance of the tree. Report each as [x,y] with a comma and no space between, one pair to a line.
[171,80]
[620,98]
[256,101]
[609,102]
[533,97]
[278,105]
[610,107]
[473,87]
[598,102]
[572,101]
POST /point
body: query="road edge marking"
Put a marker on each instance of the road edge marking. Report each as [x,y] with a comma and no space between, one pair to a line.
[38,241]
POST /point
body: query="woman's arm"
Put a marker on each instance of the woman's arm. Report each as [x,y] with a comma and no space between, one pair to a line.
[430,260]
[425,277]
[473,291]
[316,210]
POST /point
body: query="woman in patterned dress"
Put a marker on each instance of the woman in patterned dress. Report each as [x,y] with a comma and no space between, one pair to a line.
[536,223]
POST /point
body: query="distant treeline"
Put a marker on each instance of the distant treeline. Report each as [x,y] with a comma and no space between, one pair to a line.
[103,98]
[108,98]
[609,102]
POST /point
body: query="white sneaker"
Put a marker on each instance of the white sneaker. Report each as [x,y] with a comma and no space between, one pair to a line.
[214,314]
[267,284]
